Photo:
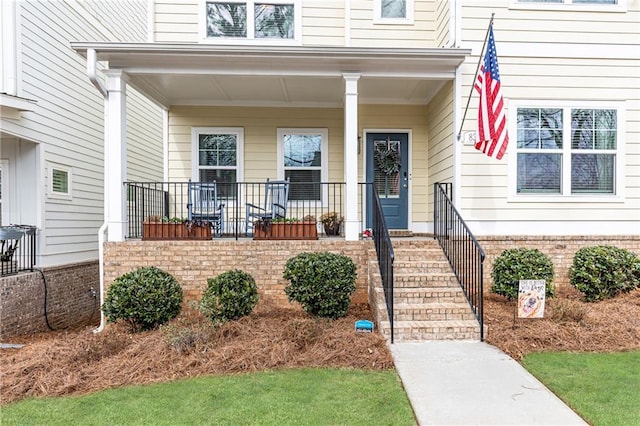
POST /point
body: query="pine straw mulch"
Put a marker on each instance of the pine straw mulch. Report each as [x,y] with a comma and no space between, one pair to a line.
[570,324]
[79,362]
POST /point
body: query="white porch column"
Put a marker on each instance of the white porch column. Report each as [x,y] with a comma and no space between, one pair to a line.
[115,154]
[351,220]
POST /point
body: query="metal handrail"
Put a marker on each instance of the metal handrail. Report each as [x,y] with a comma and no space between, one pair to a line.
[384,251]
[464,253]
[17,249]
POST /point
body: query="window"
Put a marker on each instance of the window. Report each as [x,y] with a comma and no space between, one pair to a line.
[567,151]
[60,182]
[393,11]
[217,157]
[302,158]
[252,19]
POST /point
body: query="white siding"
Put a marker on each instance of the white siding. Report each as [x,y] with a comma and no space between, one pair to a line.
[66,127]
[553,56]
[144,139]
[125,19]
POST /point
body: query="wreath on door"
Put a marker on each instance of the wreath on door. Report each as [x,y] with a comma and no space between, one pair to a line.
[387,158]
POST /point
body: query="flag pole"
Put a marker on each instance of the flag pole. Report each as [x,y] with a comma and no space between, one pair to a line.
[484,45]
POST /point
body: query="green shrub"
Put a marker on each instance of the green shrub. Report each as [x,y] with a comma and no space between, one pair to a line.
[229,296]
[601,272]
[518,264]
[321,282]
[144,298]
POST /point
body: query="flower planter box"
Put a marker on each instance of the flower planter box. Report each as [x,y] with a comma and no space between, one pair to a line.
[285,231]
[174,231]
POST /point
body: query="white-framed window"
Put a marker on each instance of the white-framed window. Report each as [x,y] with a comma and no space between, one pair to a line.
[585,5]
[566,151]
[393,11]
[60,180]
[217,156]
[269,21]
[303,159]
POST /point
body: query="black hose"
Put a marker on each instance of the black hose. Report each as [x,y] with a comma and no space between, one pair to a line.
[46,317]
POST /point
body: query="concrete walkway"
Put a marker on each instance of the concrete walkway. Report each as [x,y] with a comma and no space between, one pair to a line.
[473,383]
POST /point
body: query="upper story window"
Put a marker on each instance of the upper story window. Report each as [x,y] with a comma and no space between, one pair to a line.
[568,151]
[253,20]
[302,158]
[217,156]
[393,11]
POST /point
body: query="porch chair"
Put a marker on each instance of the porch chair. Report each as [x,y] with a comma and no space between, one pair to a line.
[276,196]
[203,205]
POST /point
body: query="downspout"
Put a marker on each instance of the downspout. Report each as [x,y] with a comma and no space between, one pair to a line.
[92,73]
[101,235]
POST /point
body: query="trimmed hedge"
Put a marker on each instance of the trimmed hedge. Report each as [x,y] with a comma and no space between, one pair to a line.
[144,298]
[321,282]
[229,296]
[602,272]
[518,264]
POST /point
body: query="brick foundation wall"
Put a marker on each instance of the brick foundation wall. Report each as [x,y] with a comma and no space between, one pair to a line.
[192,262]
[560,249]
[70,302]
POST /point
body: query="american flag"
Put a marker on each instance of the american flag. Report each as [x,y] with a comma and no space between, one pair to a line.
[492,121]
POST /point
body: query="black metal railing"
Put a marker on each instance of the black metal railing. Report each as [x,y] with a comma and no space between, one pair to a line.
[461,248]
[307,202]
[384,250]
[17,249]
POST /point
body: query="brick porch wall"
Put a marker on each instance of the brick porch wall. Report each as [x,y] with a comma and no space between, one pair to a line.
[192,262]
[561,250]
[70,302]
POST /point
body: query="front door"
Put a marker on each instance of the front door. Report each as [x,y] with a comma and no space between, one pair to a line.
[387,169]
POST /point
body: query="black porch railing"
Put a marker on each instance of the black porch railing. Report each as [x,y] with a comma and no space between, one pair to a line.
[461,248]
[17,249]
[307,202]
[384,250]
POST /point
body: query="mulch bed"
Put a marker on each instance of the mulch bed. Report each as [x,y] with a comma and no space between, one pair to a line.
[78,361]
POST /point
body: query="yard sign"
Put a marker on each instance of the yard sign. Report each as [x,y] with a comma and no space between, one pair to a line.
[531,298]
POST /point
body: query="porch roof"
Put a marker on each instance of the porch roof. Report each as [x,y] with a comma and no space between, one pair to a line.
[204,74]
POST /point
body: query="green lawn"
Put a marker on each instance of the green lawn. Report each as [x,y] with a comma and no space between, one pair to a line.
[289,397]
[603,388]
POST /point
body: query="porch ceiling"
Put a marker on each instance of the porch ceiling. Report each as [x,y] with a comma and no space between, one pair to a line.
[189,74]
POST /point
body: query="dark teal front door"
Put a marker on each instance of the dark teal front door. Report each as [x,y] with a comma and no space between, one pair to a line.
[387,169]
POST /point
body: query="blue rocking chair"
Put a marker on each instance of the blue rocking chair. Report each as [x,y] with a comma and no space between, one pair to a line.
[203,205]
[276,197]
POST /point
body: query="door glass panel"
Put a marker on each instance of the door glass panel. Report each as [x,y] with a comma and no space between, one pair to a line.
[386,170]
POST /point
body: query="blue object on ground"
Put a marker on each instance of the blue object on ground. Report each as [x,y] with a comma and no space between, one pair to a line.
[364,326]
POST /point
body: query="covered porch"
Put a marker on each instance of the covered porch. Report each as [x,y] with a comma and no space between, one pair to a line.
[348,100]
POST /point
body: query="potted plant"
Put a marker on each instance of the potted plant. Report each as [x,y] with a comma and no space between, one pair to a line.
[331,222]
[175,228]
[286,229]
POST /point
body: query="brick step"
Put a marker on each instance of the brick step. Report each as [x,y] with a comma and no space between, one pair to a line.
[417,331]
[437,311]
[425,265]
[423,295]
[418,254]
[422,280]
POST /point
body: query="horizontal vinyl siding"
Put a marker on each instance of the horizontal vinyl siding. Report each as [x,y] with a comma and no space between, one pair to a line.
[144,138]
[419,34]
[125,19]
[176,21]
[323,23]
[441,136]
[260,136]
[557,74]
[68,120]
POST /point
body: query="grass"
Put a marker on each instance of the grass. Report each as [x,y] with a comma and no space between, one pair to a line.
[288,397]
[604,388]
